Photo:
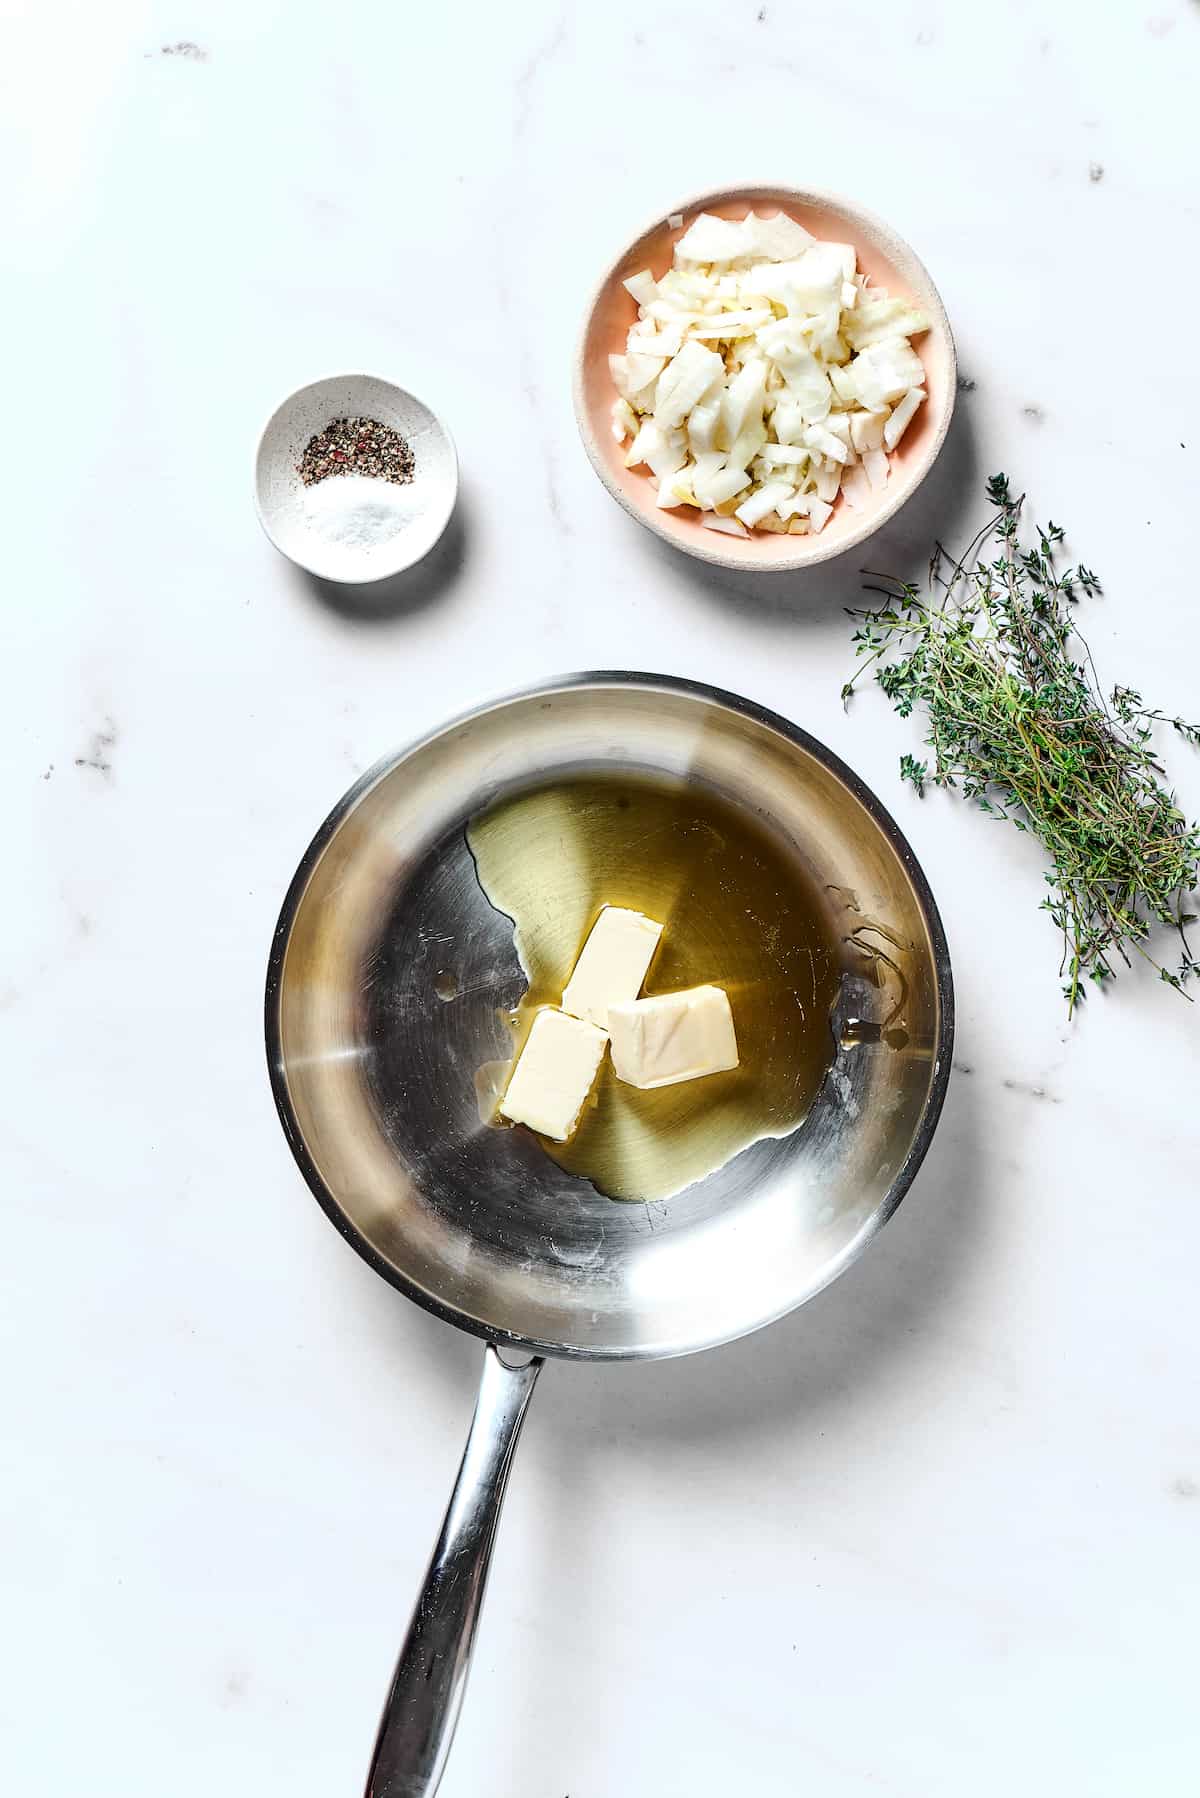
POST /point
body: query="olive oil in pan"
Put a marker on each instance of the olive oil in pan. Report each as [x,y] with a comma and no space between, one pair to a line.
[738,910]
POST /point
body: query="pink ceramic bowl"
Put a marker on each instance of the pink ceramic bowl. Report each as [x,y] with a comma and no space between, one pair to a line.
[882,255]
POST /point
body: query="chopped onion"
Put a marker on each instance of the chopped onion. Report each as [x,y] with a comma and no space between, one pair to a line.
[902,417]
[783,454]
[712,239]
[885,371]
[856,489]
[730,324]
[876,464]
[777,239]
[866,430]
[829,477]
[742,403]
[642,286]
[702,423]
[843,386]
[722,486]
[640,370]
[761,368]
[767,499]
[826,443]
[880,318]
[684,381]
[624,420]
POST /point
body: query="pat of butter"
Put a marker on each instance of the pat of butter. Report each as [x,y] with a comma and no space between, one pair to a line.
[554,1074]
[673,1037]
[612,965]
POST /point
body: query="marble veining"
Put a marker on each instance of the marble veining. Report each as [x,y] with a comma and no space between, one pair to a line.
[98,755]
[938,1532]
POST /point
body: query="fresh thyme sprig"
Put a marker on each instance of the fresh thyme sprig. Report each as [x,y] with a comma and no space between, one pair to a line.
[1017,721]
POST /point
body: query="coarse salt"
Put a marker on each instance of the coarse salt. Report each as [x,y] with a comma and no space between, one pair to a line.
[358,511]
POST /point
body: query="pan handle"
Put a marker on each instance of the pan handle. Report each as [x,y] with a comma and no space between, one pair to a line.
[431,1675]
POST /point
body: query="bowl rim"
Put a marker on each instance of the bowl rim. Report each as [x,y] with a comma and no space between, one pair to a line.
[365,579]
[820,550]
[943,1049]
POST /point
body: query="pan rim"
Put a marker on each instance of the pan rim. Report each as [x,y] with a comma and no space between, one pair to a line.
[794,733]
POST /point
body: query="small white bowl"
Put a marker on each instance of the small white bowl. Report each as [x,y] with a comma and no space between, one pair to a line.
[279,494]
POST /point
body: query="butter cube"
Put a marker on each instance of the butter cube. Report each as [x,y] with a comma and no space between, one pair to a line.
[612,965]
[673,1037]
[554,1074]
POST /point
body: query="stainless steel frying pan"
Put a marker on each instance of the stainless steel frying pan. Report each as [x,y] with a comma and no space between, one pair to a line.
[373,1077]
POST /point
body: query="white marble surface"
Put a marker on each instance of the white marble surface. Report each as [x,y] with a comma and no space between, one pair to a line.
[937,1534]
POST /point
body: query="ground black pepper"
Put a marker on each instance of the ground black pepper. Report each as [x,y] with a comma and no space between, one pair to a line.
[356,446]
